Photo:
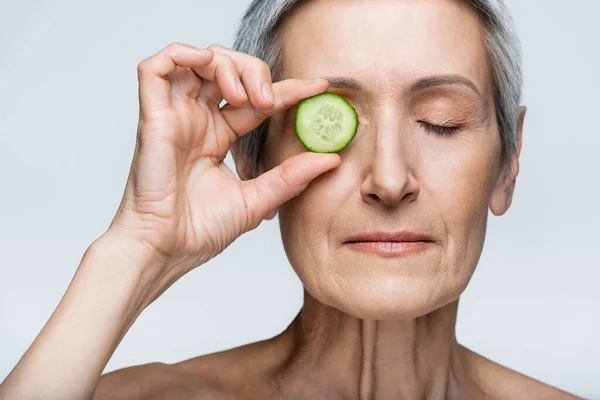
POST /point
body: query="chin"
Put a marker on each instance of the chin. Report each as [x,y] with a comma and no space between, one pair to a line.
[389,298]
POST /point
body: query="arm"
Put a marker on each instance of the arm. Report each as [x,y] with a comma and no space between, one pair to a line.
[182,206]
[105,297]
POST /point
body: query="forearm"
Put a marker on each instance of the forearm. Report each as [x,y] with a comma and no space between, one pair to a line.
[103,300]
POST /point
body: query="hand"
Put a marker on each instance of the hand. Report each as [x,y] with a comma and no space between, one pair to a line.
[181,207]
[181,201]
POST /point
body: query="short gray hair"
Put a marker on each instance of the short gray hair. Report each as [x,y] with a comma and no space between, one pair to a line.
[257,35]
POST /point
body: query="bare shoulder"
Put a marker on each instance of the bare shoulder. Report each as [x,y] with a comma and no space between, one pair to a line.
[505,383]
[229,374]
[154,381]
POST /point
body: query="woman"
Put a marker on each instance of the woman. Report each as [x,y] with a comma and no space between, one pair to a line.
[385,235]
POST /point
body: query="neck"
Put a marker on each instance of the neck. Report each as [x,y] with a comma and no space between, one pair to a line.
[351,358]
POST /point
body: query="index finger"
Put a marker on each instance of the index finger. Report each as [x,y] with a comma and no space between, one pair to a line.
[286,93]
[153,72]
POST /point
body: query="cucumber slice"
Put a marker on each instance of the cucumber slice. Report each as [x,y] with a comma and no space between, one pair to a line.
[325,123]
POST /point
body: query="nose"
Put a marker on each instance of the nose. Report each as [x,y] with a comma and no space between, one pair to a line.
[389,179]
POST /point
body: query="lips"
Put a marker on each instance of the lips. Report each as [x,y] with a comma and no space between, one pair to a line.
[390,244]
[380,236]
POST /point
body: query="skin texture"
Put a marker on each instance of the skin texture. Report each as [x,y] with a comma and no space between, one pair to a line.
[411,179]
[372,327]
[376,327]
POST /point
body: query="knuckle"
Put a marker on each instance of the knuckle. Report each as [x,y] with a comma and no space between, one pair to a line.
[284,170]
[174,46]
[215,46]
[229,63]
[144,66]
[262,67]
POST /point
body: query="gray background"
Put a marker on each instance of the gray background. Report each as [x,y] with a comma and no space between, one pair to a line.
[68,115]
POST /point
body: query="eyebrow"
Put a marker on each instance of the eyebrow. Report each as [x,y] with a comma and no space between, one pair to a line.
[440,80]
[343,82]
[424,83]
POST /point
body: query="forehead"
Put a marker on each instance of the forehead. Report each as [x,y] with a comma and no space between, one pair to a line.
[384,43]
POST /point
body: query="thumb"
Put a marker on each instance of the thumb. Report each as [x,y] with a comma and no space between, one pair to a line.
[287,180]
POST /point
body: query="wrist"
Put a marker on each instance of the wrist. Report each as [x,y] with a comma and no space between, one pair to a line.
[124,263]
[111,287]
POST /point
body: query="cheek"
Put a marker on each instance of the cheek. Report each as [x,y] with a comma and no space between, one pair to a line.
[300,232]
[309,226]
[459,177]
[459,182]
[305,223]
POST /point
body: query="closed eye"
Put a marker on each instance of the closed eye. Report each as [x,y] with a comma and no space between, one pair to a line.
[442,130]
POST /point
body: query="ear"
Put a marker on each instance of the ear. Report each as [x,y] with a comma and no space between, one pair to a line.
[505,184]
[243,166]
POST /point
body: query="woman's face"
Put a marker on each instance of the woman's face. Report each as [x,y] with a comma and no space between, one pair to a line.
[406,67]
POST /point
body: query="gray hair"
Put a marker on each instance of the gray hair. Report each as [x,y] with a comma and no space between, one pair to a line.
[257,35]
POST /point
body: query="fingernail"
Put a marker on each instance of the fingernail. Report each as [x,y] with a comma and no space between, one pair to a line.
[241,90]
[266,92]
